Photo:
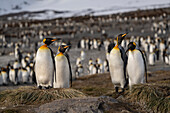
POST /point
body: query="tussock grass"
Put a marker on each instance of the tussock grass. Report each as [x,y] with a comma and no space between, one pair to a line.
[156,96]
[31,95]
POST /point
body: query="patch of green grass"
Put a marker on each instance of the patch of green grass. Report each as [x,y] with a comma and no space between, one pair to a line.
[32,95]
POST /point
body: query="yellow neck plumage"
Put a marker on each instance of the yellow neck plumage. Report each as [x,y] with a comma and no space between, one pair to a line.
[44,46]
[60,54]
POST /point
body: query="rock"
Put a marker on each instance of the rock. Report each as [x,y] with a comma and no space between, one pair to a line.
[77,105]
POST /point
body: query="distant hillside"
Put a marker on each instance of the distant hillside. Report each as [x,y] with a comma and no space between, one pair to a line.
[49,9]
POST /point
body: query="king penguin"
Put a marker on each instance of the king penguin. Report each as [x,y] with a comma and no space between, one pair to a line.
[45,65]
[4,76]
[63,74]
[136,65]
[117,64]
[1,80]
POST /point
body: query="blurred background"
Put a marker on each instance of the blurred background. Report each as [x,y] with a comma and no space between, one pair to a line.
[89,26]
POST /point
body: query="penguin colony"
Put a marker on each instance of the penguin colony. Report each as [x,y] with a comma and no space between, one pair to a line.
[153,47]
[19,72]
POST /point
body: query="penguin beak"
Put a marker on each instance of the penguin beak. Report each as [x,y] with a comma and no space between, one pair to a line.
[53,40]
[124,34]
[67,46]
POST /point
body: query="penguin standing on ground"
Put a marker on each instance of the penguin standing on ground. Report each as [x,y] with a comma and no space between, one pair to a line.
[83,55]
[4,76]
[63,69]
[92,69]
[117,64]
[13,76]
[136,65]
[152,58]
[19,75]
[1,80]
[45,65]
[79,70]
[106,65]
[25,75]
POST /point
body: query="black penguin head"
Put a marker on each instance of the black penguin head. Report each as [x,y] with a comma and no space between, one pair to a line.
[48,41]
[131,46]
[63,48]
[3,69]
[12,67]
[120,37]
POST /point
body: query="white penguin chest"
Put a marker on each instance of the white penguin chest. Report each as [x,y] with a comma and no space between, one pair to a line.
[61,61]
[44,60]
[115,59]
[135,66]
[62,72]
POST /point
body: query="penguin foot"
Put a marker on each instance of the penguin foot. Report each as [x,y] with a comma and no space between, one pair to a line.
[116,89]
[39,87]
[48,87]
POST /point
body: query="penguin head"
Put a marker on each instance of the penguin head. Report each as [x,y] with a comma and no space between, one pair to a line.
[3,69]
[12,67]
[120,37]
[131,46]
[63,48]
[48,41]
[8,66]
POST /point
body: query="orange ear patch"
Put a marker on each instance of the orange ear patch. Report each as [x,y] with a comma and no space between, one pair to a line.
[44,40]
[134,43]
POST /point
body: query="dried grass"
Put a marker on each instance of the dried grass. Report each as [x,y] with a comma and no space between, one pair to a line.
[31,95]
[155,96]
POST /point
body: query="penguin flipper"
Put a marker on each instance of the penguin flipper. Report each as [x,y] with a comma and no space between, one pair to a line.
[52,56]
[144,64]
[110,47]
[34,76]
[124,58]
[67,56]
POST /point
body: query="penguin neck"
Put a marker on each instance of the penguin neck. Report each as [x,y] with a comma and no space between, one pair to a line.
[132,50]
[60,54]
[116,47]
[44,46]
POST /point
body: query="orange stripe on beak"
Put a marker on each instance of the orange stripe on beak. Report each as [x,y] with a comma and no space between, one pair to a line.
[124,35]
[53,40]
[66,46]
